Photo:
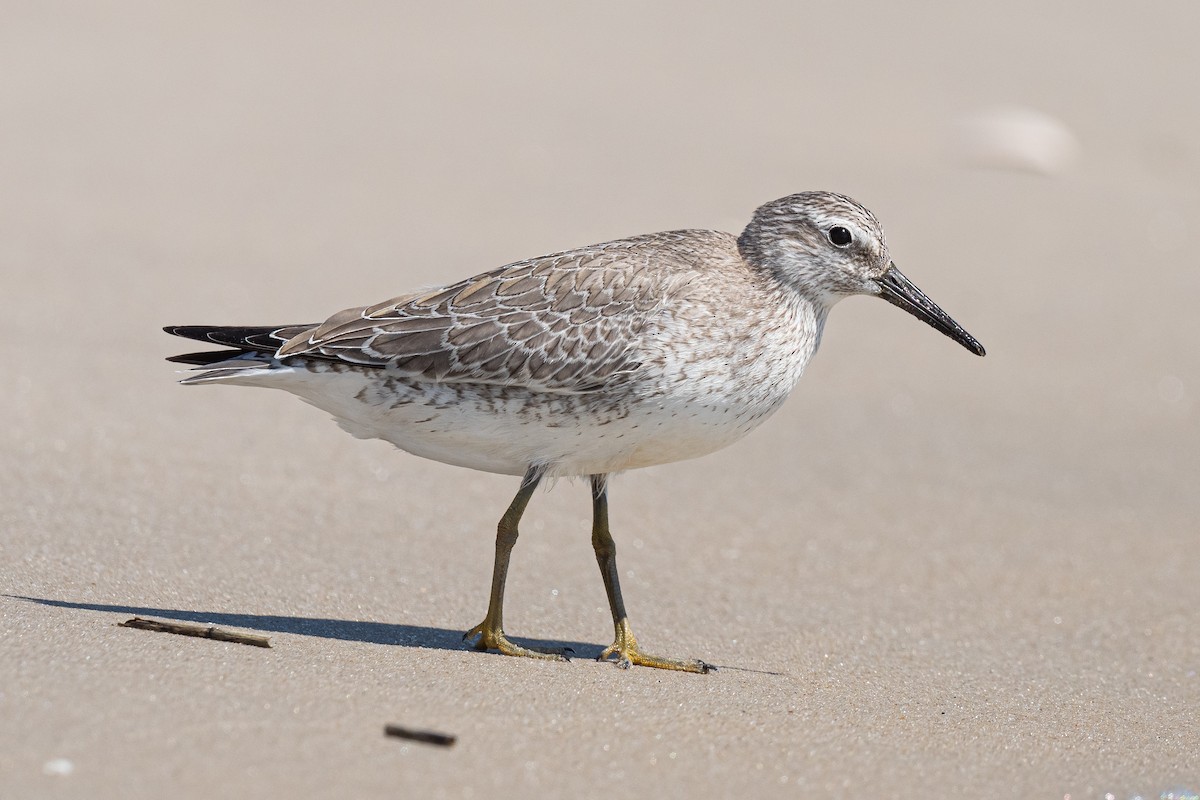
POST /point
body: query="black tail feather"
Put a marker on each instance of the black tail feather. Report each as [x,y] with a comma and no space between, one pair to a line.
[239,336]
[207,357]
[258,339]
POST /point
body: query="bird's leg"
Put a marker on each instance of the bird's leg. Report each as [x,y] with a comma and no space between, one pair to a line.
[625,646]
[491,630]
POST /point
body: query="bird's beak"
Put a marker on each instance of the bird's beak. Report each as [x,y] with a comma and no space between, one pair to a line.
[900,291]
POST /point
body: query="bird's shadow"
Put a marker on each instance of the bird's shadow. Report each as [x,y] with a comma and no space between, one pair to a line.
[388,633]
[346,630]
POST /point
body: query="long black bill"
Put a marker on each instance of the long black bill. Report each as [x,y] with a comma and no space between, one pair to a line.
[900,291]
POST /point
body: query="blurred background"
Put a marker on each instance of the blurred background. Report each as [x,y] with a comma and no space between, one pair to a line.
[1009,541]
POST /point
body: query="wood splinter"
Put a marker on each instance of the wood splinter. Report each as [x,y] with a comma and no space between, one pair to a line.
[200,631]
[426,737]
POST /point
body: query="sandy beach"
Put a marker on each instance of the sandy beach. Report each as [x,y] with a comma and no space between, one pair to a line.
[929,575]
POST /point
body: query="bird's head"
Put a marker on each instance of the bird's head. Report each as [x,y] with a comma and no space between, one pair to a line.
[826,246]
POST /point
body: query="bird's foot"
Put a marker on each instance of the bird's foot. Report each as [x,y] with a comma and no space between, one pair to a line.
[492,638]
[625,648]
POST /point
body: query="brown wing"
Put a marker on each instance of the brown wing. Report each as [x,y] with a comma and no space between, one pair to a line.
[568,322]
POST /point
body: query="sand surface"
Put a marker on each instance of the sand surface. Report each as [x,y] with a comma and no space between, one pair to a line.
[930,575]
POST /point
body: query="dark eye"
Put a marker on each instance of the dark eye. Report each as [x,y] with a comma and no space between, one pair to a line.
[840,236]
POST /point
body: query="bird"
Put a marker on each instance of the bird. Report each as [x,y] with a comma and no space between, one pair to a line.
[585,363]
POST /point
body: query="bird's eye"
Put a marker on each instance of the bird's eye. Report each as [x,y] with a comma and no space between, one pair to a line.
[839,236]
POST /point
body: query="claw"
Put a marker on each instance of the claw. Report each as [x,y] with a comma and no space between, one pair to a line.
[625,648]
[495,639]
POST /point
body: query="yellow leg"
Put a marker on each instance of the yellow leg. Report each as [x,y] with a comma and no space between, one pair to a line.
[491,630]
[625,646]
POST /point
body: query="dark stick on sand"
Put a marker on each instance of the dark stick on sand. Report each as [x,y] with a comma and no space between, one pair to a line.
[200,631]
[426,737]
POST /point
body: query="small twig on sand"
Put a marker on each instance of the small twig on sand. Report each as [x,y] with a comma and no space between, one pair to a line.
[201,631]
[427,737]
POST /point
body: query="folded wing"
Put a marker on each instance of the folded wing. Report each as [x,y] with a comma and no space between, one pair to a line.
[568,322]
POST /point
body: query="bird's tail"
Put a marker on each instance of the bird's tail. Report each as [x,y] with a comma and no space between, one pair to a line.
[248,350]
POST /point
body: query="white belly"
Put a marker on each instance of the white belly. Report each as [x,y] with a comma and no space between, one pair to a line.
[505,430]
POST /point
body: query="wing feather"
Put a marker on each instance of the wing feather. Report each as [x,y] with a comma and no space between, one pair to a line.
[567,322]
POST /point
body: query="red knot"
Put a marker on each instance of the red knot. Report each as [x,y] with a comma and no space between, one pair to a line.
[588,362]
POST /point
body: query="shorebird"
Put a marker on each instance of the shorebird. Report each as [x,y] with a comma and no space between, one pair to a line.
[587,362]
